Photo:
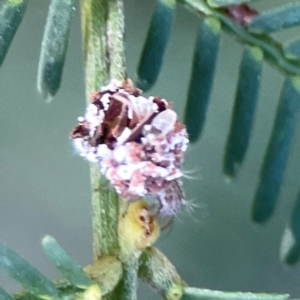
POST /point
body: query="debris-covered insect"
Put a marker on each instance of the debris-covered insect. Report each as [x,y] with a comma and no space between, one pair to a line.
[138,142]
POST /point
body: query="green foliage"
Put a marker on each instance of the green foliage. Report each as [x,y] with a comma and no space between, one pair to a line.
[252,29]
[103,33]
[197,294]
[152,266]
[98,18]
[76,283]
[220,3]
[127,286]
[277,151]
[154,48]
[70,269]
[4,295]
[244,110]
[277,19]
[203,71]
[54,46]
[11,15]
[157,270]
[28,277]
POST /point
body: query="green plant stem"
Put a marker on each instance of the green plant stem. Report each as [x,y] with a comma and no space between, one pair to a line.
[94,16]
[158,271]
[191,293]
[272,49]
[103,33]
[127,287]
[130,281]
[115,39]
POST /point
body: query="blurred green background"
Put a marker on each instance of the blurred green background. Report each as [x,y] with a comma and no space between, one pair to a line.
[44,185]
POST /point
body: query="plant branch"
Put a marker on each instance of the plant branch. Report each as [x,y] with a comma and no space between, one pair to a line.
[158,271]
[272,49]
[103,32]
[115,39]
[127,287]
[191,293]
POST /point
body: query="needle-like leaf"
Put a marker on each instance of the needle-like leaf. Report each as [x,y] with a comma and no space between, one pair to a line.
[204,294]
[279,18]
[54,46]
[244,109]
[21,271]
[276,155]
[11,15]
[70,269]
[4,295]
[156,42]
[203,70]
[220,3]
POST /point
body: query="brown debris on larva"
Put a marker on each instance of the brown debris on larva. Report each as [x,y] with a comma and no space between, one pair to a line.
[138,142]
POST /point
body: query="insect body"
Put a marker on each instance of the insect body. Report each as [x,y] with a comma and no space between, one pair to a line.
[138,143]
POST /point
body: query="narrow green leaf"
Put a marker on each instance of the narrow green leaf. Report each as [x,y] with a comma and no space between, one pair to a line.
[295,219]
[66,292]
[26,296]
[70,269]
[21,271]
[282,17]
[277,151]
[156,42]
[4,295]
[54,46]
[292,256]
[203,70]
[11,15]
[220,3]
[244,109]
[292,49]
[204,294]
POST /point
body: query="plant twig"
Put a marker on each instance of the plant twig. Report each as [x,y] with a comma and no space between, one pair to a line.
[115,39]
[158,271]
[272,49]
[103,32]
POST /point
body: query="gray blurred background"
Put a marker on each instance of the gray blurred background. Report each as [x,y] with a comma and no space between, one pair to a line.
[44,185]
